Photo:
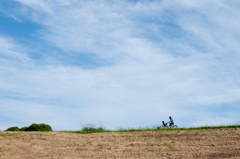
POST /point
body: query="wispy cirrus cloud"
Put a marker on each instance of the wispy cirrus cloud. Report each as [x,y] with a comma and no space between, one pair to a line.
[9,49]
[149,59]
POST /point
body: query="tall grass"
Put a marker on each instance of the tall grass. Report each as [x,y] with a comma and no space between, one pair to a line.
[90,128]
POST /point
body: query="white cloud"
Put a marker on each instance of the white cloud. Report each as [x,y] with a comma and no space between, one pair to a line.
[9,49]
[150,73]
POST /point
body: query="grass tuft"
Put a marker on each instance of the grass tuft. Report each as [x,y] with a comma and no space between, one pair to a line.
[90,128]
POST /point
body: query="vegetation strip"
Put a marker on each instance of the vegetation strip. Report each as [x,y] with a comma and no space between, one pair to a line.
[101,130]
[89,128]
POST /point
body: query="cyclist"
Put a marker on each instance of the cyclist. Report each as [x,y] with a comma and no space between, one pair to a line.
[171,121]
[163,125]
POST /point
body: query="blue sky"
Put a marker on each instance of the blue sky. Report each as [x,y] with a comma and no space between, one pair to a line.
[120,63]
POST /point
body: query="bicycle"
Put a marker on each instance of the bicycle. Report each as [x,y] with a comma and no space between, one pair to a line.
[167,126]
[173,126]
[161,127]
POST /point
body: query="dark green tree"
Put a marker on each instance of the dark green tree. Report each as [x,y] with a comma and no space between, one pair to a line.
[39,127]
[15,128]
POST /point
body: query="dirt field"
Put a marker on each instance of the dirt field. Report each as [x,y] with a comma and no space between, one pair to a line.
[219,143]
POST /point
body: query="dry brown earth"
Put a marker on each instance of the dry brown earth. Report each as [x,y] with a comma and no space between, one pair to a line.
[219,143]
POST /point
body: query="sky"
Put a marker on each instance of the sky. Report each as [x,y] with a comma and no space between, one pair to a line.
[122,64]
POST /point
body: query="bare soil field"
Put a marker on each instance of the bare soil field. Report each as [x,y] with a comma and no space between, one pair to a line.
[219,143]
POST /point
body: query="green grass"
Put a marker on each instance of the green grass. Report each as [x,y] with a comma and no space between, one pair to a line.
[215,127]
[94,129]
[89,128]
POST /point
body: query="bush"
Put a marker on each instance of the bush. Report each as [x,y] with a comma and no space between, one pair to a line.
[33,127]
[39,127]
[24,128]
[15,128]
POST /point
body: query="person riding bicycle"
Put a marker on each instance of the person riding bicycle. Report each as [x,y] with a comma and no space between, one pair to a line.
[171,121]
[163,125]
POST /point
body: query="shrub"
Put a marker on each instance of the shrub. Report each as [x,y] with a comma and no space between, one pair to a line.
[15,128]
[39,127]
[24,128]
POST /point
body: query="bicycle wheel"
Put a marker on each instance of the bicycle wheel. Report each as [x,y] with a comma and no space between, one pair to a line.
[174,126]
